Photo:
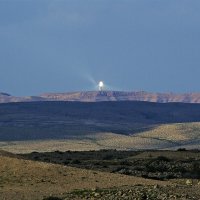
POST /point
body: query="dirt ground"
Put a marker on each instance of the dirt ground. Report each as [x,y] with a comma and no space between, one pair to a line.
[22,179]
[35,180]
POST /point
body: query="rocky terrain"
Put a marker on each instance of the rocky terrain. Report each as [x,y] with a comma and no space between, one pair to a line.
[30,180]
[139,192]
[158,165]
[92,175]
[95,96]
[179,171]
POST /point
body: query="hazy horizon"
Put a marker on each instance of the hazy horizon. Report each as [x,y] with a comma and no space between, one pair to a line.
[132,45]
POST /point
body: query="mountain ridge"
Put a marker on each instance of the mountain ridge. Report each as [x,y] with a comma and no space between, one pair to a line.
[98,96]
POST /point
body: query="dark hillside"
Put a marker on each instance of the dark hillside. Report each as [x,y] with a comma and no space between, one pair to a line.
[42,120]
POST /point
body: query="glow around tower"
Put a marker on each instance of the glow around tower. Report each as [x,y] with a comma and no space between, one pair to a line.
[101,85]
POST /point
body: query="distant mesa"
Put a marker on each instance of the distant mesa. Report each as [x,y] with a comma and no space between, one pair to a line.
[98,96]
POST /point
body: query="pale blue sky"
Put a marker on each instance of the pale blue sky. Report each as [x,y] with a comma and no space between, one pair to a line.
[66,45]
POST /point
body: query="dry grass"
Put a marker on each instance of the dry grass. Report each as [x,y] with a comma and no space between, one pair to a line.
[170,136]
[174,132]
[49,145]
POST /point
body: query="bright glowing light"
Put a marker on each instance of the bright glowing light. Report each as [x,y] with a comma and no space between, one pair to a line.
[101,85]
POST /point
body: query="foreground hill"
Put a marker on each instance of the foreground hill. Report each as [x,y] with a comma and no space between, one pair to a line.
[23,179]
[60,120]
[34,180]
[95,96]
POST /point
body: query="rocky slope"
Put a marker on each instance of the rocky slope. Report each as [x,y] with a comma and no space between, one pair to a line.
[137,192]
[30,180]
[178,170]
[95,96]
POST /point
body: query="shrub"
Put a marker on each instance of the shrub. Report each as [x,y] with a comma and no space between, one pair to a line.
[196,169]
[108,157]
[59,152]
[163,158]
[125,162]
[181,149]
[52,198]
[66,162]
[75,162]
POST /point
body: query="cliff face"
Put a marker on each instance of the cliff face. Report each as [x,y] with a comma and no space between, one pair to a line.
[95,96]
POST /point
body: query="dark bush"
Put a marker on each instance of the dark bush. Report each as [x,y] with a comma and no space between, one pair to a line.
[97,163]
[59,152]
[163,158]
[181,149]
[75,162]
[156,166]
[66,162]
[36,157]
[108,157]
[34,152]
[180,169]
[196,169]
[151,168]
[52,198]
[47,159]
[125,162]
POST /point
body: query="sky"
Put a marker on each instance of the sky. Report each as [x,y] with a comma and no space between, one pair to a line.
[70,45]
